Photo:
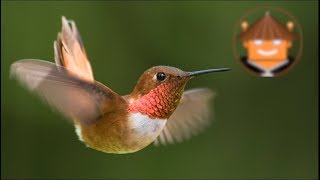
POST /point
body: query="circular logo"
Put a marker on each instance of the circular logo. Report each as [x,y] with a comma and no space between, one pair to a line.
[267,41]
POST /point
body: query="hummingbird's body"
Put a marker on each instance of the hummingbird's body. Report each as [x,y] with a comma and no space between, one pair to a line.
[125,135]
[138,120]
[158,110]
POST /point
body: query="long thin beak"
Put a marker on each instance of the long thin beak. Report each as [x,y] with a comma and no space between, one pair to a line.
[196,73]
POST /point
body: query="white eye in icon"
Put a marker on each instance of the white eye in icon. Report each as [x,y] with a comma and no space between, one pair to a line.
[277,42]
[258,42]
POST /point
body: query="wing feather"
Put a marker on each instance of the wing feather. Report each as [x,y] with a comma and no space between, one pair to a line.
[77,99]
[189,119]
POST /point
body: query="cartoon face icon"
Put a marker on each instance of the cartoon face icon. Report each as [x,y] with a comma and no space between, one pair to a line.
[268,53]
[267,42]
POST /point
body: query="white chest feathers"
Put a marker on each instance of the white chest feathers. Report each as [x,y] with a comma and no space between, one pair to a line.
[144,128]
[78,131]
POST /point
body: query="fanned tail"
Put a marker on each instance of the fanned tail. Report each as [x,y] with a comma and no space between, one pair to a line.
[70,52]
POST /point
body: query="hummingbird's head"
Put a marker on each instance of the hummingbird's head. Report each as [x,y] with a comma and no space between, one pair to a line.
[159,89]
[160,77]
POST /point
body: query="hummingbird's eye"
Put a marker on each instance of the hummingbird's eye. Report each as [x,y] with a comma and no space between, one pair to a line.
[161,76]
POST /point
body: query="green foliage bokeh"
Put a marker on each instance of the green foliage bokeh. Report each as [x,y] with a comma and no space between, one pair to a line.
[263,128]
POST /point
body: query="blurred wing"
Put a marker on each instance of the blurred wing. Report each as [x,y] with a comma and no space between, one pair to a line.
[75,98]
[70,52]
[190,117]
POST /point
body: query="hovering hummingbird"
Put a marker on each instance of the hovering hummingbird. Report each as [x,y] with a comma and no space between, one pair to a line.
[158,110]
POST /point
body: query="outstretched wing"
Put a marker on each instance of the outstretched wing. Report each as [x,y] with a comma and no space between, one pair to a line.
[77,99]
[190,117]
[70,52]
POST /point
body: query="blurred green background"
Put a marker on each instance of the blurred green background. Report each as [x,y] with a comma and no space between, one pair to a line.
[264,127]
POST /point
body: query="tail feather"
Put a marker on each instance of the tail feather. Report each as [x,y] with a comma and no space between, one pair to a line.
[70,52]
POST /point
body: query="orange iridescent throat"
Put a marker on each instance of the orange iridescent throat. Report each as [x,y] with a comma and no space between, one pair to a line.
[159,102]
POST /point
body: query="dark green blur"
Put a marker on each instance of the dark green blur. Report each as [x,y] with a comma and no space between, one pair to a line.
[263,128]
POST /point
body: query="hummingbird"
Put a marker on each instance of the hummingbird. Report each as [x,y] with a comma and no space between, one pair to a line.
[158,110]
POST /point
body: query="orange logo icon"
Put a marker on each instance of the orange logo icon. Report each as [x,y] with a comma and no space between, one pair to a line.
[267,42]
